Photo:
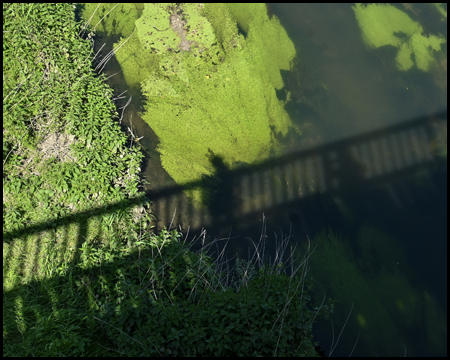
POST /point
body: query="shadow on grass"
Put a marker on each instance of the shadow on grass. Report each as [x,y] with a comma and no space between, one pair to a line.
[233,196]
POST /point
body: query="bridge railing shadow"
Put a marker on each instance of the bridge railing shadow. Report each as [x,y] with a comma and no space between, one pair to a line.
[378,158]
[381,156]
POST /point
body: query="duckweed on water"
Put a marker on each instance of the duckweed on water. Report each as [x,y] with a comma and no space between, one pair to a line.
[81,281]
[209,87]
[228,104]
[383,25]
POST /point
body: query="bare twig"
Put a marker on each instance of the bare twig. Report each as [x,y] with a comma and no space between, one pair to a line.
[112,76]
[129,100]
[98,52]
[83,29]
[18,143]
[104,16]
[108,56]
[123,109]
[120,95]
[337,341]
[354,346]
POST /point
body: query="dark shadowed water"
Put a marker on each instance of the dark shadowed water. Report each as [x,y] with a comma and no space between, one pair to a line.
[369,171]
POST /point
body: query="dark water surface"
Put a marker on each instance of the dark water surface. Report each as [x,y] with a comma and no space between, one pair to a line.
[366,172]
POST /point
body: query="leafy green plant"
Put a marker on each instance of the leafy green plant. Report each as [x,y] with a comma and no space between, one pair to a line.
[104,285]
[60,140]
[157,298]
[63,152]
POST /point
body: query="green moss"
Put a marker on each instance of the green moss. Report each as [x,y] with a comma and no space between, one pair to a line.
[218,96]
[187,30]
[268,40]
[119,21]
[442,9]
[224,26]
[154,31]
[383,25]
[424,49]
[244,14]
[209,113]
[136,64]
[404,57]
[198,29]
[208,86]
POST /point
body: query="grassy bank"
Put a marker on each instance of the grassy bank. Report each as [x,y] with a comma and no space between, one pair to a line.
[82,275]
[63,156]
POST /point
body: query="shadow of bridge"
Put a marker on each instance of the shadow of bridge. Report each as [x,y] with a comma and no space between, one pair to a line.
[279,187]
[381,158]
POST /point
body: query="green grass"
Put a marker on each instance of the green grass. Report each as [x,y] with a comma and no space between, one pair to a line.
[150,296]
[83,275]
[63,154]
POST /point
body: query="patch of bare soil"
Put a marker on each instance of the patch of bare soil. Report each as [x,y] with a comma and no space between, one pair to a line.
[54,145]
[57,145]
[179,26]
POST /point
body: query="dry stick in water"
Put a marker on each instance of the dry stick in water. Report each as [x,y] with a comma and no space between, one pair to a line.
[83,29]
[111,54]
[98,52]
[129,100]
[337,341]
[104,16]
[354,346]
[113,75]
[120,96]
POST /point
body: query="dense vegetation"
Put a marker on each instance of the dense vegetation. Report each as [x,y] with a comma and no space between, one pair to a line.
[82,275]
[209,74]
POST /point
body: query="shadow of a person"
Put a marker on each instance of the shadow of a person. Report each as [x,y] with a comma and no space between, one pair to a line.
[219,195]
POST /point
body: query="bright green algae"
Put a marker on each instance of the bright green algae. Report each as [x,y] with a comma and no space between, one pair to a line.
[112,19]
[386,25]
[210,89]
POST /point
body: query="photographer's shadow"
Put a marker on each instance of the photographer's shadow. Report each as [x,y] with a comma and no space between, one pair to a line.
[220,195]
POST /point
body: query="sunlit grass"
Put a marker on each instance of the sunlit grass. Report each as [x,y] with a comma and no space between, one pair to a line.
[88,286]
[49,303]
[43,309]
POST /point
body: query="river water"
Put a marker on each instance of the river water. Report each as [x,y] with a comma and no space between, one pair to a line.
[364,185]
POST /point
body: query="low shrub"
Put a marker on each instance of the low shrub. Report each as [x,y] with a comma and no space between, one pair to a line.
[158,298]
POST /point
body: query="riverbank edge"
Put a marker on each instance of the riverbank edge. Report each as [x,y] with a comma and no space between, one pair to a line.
[40,281]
